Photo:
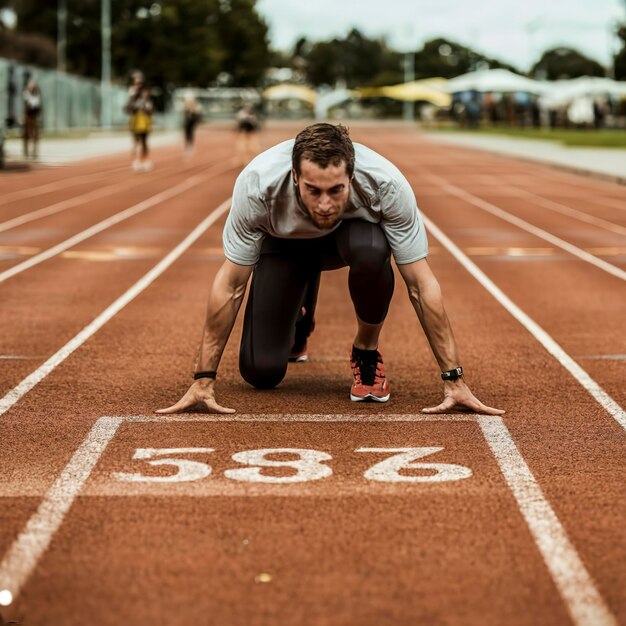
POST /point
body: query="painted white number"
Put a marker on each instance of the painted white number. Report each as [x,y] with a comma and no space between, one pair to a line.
[186,470]
[405,459]
[308,466]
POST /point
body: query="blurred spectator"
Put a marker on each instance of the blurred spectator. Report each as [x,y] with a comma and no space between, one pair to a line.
[580,112]
[600,111]
[32,112]
[247,127]
[191,116]
[140,109]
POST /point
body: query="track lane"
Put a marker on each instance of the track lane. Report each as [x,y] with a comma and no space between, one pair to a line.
[550,226]
[51,235]
[164,196]
[550,286]
[42,175]
[136,347]
[165,160]
[60,202]
[94,283]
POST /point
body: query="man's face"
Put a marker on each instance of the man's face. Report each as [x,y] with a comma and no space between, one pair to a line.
[324,192]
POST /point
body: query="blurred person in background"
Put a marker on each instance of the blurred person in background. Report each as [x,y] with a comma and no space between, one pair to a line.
[140,109]
[32,112]
[247,128]
[192,113]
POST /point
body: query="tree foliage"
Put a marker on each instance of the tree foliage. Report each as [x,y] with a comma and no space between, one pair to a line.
[566,63]
[620,57]
[31,49]
[359,61]
[354,60]
[173,43]
[441,57]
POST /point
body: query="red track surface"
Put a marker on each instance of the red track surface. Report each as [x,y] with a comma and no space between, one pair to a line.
[535,535]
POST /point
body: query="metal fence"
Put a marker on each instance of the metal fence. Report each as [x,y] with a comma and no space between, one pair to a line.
[69,102]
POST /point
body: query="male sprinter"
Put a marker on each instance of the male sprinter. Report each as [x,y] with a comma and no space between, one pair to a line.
[302,207]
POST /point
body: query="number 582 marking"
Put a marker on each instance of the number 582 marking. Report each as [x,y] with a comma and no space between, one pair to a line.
[404,465]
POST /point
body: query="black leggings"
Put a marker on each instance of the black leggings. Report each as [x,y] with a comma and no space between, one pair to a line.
[286,278]
[141,140]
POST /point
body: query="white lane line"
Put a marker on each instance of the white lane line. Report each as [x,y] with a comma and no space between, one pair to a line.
[25,552]
[529,228]
[304,417]
[558,207]
[62,205]
[20,194]
[56,359]
[57,207]
[114,219]
[33,541]
[569,574]
[574,583]
[590,385]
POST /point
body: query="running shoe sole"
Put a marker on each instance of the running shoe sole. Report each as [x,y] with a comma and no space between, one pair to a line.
[369,397]
[303,358]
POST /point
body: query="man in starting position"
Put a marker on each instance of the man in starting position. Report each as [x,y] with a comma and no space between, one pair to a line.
[318,203]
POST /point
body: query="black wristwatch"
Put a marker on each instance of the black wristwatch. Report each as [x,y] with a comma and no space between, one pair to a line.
[454,374]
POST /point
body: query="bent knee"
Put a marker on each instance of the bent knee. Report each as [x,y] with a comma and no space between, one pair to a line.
[371,258]
[264,375]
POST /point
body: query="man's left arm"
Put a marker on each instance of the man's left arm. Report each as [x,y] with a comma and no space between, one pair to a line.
[426,298]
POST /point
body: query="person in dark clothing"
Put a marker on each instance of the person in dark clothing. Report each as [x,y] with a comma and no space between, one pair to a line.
[32,112]
[192,114]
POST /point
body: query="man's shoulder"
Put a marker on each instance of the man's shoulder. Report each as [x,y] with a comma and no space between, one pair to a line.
[267,174]
[271,165]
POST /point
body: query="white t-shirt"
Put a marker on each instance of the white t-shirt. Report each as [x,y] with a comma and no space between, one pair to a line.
[265,202]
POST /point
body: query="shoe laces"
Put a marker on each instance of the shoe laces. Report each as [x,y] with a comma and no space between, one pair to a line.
[368,370]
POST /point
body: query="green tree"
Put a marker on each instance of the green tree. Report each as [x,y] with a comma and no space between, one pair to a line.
[30,49]
[619,60]
[566,63]
[355,60]
[175,43]
[244,42]
[82,32]
[445,58]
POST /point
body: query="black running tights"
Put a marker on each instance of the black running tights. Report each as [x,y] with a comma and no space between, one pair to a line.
[286,279]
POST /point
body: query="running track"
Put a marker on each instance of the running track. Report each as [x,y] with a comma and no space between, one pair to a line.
[375,515]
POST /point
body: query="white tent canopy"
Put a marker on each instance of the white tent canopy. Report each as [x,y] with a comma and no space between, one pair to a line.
[563,92]
[499,80]
[329,99]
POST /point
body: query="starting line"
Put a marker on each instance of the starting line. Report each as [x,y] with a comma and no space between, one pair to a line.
[569,574]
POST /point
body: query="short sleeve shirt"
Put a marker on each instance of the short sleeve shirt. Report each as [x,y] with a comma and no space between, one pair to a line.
[265,202]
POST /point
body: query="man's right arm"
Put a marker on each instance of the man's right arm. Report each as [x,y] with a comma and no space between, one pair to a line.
[225,299]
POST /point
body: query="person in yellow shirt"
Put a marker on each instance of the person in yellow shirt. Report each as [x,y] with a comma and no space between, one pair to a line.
[140,109]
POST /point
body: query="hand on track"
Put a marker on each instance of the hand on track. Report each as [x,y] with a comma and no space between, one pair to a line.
[459,399]
[200,393]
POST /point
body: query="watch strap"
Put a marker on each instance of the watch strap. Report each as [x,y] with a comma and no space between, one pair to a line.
[206,374]
[453,374]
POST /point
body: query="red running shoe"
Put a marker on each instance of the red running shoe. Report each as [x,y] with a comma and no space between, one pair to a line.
[370,382]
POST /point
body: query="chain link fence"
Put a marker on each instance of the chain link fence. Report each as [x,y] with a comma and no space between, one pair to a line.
[68,102]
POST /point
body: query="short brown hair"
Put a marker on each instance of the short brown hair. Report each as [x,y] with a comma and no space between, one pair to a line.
[324,144]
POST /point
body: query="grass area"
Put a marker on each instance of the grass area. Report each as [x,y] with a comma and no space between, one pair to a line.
[569,137]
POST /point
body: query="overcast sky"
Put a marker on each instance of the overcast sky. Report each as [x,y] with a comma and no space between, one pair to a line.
[515,31]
